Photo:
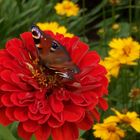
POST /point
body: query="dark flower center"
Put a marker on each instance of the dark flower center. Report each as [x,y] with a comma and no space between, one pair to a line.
[126,51]
[44,76]
[126,120]
[111,129]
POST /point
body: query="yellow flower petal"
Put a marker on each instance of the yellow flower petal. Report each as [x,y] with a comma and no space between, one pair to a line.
[126,50]
[55,28]
[136,125]
[108,131]
[112,119]
[67,8]
[117,112]
[114,137]
[130,118]
[112,66]
[132,114]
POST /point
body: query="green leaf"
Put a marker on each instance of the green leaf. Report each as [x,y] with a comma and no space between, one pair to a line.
[106,22]
[98,7]
[81,133]
[5,134]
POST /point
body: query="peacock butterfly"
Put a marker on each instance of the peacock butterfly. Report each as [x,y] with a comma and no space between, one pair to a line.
[53,55]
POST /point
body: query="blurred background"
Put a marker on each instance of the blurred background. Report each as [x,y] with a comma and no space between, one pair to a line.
[97,23]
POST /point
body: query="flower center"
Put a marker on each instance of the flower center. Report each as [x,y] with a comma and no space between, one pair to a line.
[111,129]
[44,77]
[67,7]
[127,120]
[126,50]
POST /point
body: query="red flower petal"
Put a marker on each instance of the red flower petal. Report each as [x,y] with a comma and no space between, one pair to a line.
[15,78]
[45,109]
[95,114]
[55,123]
[14,49]
[80,49]
[5,75]
[92,57]
[44,119]
[98,70]
[29,43]
[9,87]
[6,100]
[86,123]
[57,134]
[21,114]
[55,104]
[77,99]
[34,117]
[3,118]
[22,99]
[62,95]
[66,132]
[30,126]
[103,104]
[43,132]
[73,113]
[9,113]
[89,97]
[69,42]
[22,133]
[12,65]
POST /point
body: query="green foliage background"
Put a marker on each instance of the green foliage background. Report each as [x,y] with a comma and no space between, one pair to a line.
[17,16]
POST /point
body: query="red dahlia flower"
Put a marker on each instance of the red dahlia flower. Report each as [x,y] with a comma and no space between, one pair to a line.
[40,102]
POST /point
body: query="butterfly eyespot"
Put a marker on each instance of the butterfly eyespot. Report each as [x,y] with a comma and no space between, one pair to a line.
[36,33]
[54,46]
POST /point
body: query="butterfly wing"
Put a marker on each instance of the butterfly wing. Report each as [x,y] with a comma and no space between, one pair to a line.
[53,55]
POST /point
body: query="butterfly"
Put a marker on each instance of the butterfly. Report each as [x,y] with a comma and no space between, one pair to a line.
[53,55]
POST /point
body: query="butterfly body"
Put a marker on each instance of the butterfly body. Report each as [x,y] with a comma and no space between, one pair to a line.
[53,55]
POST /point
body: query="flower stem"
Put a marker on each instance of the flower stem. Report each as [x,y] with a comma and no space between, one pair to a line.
[104,28]
[113,13]
[125,83]
[130,14]
[84,6]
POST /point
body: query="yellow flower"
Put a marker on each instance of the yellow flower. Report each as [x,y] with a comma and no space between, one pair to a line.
[101,31]
[67,8]
[130,118]
[126,50]
[135,29]
[108,131]
[112,66]
[116,26]
[55,28]
[134,94]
